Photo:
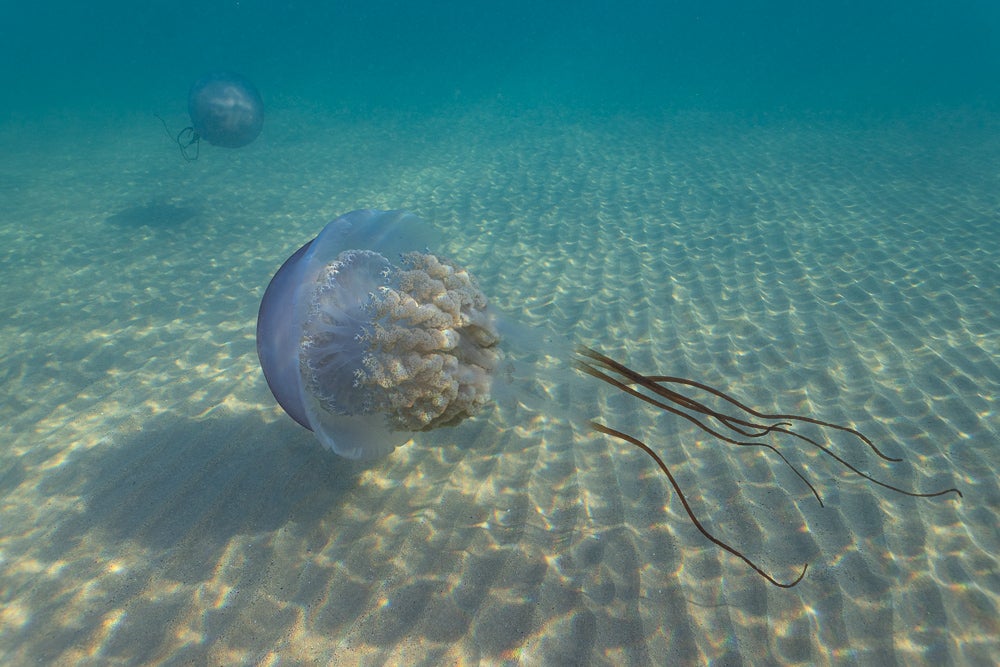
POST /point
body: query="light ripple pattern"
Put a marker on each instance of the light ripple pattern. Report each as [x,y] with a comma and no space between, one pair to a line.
[156,507]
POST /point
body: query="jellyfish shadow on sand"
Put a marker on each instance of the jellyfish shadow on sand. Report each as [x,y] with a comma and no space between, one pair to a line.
[155,214]
[365,351]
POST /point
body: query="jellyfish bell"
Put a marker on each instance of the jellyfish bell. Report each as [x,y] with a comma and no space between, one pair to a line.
[365,337]
[226,110]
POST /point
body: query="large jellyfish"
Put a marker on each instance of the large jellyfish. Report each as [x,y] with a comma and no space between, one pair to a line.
[365,337]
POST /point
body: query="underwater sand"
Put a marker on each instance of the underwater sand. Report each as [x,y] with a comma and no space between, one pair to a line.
[157,507]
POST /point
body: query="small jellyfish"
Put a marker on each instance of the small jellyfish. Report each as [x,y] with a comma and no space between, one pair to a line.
[226,110]
[364,336]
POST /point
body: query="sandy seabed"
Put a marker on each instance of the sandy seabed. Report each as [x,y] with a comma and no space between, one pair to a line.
[157,507]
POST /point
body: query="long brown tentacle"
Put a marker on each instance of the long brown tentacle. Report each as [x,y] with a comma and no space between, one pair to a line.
[653,384]
[761,415]
[601,367]
[591,370]
[687,507]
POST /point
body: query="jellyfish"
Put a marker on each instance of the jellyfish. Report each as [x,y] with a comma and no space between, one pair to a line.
[366,337]
[226,110]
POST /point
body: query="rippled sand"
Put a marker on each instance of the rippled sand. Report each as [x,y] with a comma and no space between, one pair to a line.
[157,507]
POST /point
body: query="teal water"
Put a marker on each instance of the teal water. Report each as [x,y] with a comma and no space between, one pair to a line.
[799,208]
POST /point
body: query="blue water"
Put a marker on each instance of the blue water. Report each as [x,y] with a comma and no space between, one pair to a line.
[852,56]
[798,204]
